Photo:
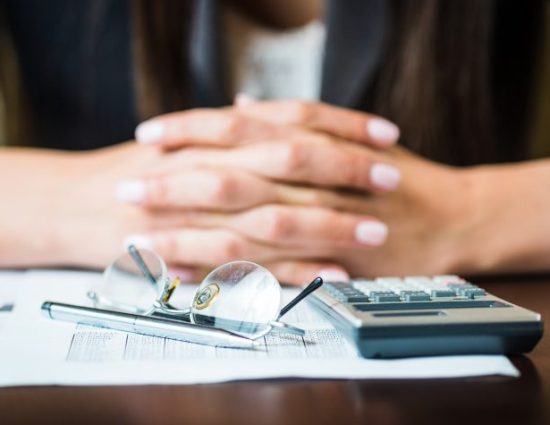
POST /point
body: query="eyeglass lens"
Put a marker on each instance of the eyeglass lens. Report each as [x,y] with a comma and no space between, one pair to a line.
[240,296]
[125,281]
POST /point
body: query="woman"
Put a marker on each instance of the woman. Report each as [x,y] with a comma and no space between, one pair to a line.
[301,186]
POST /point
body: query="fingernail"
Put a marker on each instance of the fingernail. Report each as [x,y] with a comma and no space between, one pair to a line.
[382,131]
[131,191]
[139,241]
[243,99]
[149,132]
[385,176]
[185,274]
[334,275]
[371,232]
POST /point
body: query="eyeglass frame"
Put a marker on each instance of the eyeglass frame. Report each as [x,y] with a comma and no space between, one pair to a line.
[161,304]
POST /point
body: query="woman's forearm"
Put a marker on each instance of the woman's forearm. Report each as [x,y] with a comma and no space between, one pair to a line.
[510,218]
[31,182]
[59,208]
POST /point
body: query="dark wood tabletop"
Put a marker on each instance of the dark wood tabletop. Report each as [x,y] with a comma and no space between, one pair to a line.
[489,400]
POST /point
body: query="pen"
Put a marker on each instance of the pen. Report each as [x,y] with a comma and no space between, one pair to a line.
[146,325]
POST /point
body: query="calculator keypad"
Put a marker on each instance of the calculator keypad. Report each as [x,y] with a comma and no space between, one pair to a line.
[408,289]
[345,292]
[393,317]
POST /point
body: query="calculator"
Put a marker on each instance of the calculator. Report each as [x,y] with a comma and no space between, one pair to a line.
[392,317]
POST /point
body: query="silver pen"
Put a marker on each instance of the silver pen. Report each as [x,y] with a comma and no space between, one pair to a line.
[146,325]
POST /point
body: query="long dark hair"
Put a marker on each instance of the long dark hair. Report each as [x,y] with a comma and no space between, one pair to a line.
[458,77]
[435,82]
[161,52]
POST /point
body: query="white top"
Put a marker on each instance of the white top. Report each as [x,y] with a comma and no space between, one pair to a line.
[269,64]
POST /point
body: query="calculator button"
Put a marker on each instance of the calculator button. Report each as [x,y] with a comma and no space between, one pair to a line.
[368,287]
[344,292]
[415,296]
[442,293]
[360,298]
[337,287]
[384,297]
[471,292]
[460,285]
[329,288]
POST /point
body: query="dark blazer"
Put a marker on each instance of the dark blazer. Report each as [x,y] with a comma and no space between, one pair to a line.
[76,65]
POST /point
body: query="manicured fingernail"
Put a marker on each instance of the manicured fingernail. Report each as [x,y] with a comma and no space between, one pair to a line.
[185,274]
[243,99]
[371,232]
[382,131]
[334,275]
[385,176]
[149,132]
[139,241]
[131,191]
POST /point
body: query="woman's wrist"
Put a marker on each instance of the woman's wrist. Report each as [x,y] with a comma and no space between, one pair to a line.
[60,212]
[504,229]
[470,253]
[91,224]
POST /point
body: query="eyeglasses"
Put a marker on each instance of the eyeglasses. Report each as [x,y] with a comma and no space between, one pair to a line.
[240,297]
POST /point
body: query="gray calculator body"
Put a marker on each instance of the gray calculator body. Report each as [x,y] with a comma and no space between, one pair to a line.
[425,316]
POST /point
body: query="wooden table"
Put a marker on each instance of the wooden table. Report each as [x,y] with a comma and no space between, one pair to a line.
[491,400]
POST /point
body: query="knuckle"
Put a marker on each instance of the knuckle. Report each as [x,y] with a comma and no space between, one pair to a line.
[318,198]
[229,249]
[231,127]
[349,173]
[221,189]
[322,139]
[354,172]
[294,158]
[337,228]
[168,246]
[277,223]
[158,193]
[301,112]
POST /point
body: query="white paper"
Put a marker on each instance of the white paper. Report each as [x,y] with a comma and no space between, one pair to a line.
[8,294]
[36,350]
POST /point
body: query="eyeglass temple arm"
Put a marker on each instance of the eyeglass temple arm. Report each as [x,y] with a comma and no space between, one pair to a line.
[313,286]
[138,259]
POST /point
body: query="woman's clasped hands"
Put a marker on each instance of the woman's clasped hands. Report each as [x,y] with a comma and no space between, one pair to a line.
[302,188]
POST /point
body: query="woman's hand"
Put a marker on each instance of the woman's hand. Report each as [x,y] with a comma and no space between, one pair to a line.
[225,213]
[479,220]
[81,223]
[428,216]
[247,164]
[433,219]
[289,153]
[441,219]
